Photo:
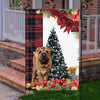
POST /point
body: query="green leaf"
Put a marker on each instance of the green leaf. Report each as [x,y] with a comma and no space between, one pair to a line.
[67,11]
[49,86]
[49,14]
[16,3]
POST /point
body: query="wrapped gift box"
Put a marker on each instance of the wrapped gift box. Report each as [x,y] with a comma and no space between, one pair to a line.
[71,70]
[74,77]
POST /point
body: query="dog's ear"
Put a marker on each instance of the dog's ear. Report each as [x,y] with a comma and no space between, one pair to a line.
[49,51]
[33,53]
[37,50]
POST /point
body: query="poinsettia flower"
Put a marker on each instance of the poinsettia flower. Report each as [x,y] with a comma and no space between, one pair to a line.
[75,26]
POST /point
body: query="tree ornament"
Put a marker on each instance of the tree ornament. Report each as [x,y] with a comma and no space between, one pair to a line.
[28,85]
[38,11]
[74,11]
[74,88]
[38,88]
[52,69]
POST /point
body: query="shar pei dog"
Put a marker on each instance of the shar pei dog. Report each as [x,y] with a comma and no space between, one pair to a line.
[41,63]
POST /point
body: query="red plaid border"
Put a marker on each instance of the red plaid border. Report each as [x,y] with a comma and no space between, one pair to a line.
[34,38]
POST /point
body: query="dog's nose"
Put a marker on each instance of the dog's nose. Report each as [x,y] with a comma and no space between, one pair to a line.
[44,54]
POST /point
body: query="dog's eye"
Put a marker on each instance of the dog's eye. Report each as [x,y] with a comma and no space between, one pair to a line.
[47,51]
[39,52]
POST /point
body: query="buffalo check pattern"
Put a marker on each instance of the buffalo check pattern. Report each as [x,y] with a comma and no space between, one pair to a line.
[34,38]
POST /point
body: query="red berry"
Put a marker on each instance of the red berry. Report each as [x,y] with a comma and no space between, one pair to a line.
[53,85]
[64,89]
[34,83]
[58,81]
[53,15]
[72,16]
[48,16]
[76,81]
[58,22]
[64,83]
[37,83]
[75,19]
[45,82]
[47,11]
[47,89]
[78,87]
[45,85]
[61,82]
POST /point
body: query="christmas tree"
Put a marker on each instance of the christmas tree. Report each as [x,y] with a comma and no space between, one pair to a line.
[59,68]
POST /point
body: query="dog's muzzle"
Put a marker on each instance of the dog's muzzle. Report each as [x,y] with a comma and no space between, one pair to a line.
[44,58]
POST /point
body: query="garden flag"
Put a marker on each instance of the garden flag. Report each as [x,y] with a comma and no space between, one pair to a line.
[52,49]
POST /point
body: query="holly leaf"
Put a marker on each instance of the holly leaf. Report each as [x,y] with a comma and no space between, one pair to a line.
[43,88]
[49,14]
[49,86]
[67,11]
[52,89]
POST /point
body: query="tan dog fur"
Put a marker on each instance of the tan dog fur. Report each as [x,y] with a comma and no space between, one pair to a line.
[41,69]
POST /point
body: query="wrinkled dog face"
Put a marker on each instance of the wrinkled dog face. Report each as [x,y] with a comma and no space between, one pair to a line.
[44,54]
